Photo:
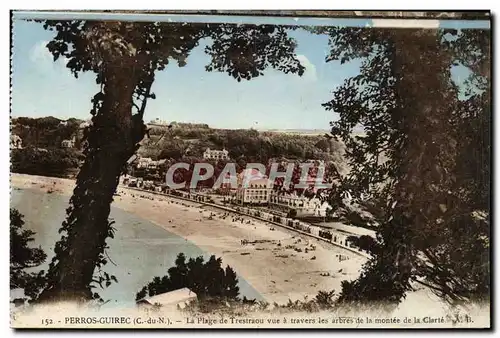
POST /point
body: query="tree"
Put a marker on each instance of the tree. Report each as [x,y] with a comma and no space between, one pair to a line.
[460,269]
[45,132]
[207,279]
[125,56]
[23,257]
[324,299]
[364,242]
[48,162]
[409,157]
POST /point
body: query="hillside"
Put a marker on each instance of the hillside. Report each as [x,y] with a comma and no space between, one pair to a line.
[41,152]
[188,140]
[46,132]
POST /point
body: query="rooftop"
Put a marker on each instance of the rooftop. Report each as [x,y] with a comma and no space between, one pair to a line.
[170,298]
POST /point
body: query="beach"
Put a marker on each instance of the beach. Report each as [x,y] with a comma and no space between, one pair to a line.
[272,263]
[278,263]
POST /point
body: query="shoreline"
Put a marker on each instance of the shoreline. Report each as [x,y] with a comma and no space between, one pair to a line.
[277,273]
[279,264]
[286,228]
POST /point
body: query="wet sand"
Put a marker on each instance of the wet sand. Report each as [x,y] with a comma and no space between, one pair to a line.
[277,263]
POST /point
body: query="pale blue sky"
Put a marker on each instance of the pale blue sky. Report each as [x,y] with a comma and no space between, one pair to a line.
[41,87]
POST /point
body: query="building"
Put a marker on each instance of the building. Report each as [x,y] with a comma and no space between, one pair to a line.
[158,121]
[212,154]
[305,207]
[281,160]
[68,143]
[143,162]
[226,187]
[170,300]
[257,191]
[148,162]
[16,142]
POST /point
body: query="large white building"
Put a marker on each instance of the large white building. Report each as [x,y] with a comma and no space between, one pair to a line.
[213,154]
[305,207]
[253,188]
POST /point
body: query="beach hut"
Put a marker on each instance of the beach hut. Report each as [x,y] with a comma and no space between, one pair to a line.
[180,297]
[314,230]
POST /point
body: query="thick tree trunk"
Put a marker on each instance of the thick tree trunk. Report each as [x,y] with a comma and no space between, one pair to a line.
[426,102]
[111,142]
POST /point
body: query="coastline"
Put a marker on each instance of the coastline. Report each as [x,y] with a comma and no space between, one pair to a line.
[277,265]
[263,265]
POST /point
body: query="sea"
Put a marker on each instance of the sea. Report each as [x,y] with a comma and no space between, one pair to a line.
[139,251]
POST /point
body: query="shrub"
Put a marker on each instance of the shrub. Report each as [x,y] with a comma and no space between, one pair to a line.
[23,257]
[46,162]
[207,279]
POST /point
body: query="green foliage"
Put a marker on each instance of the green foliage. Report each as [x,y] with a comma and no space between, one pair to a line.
[250,145]
[209,280]
[324,299]
[384,280]
[417,155]
[321,302]
[42,153]
[245,51]
[125,57]
[45,162]
[46,132]
[364,242]
[23,257]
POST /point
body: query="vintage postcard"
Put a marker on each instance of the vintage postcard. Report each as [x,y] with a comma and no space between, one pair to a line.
[225,169]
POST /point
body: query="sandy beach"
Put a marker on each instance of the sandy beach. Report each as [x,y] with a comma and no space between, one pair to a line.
[278,263]
[274,261]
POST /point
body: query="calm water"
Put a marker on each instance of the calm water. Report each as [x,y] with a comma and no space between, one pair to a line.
[141,250]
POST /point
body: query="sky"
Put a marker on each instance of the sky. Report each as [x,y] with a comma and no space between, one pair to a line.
[42,87]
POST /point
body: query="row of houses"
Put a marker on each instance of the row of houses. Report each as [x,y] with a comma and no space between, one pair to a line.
[259,192]
[214,154]
[335,236]
[218,155]
[149,163]
[253,189]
